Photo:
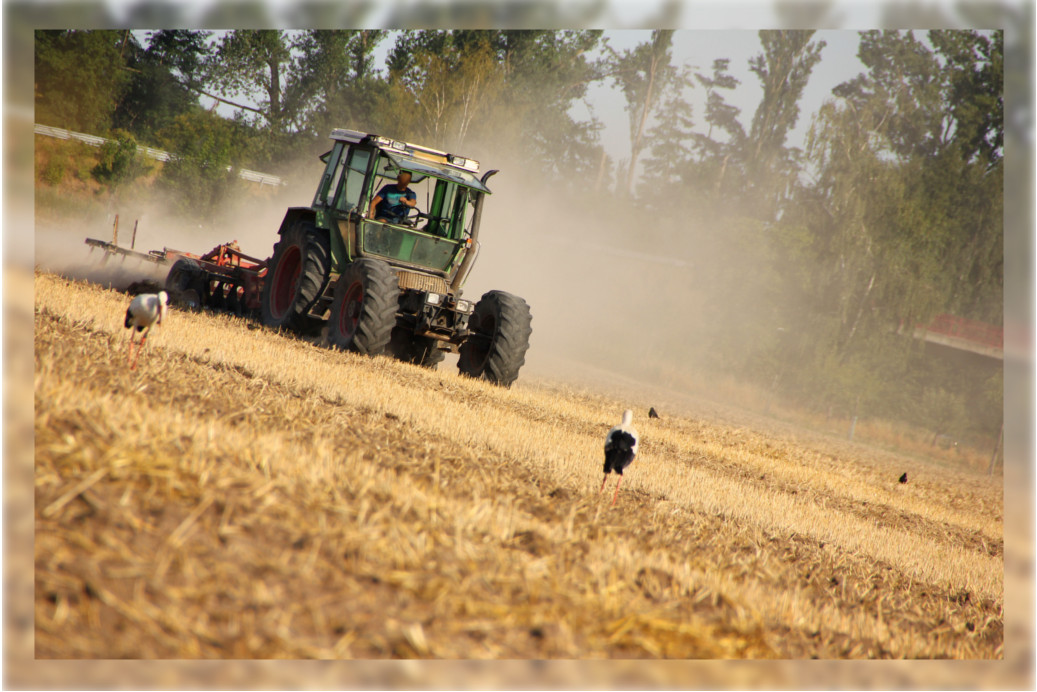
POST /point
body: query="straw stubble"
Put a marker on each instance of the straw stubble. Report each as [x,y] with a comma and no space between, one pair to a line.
[244,494]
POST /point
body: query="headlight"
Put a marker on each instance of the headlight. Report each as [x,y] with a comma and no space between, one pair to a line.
[433,299]
[464,306]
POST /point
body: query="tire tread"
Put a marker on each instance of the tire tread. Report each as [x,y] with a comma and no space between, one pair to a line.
[315,248]
[510,341]
[378,311]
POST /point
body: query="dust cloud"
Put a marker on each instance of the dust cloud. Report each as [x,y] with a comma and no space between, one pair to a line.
[606,297]
[250,217]
[61,251]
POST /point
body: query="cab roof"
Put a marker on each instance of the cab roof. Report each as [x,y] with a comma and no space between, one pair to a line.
[418,159]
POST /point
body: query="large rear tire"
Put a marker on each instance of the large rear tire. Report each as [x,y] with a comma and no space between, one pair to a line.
[496,348]
[186,283]
[296,276]
[363,312]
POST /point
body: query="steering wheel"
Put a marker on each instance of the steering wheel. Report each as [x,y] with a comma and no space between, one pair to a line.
[408,220]
[442,227]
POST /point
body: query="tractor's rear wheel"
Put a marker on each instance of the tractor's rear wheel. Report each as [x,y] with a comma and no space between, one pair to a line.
[185,283]
[296,275]
[419,350]
[496,348]
[363,312]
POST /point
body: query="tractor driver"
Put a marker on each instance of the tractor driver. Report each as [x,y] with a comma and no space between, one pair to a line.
[392,201]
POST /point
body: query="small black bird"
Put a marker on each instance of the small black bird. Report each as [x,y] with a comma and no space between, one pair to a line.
[903,477]
[652,413]
[620,450]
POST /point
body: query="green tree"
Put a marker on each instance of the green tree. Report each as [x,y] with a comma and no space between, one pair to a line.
[257,66]
[903,83]
[717,165]
[856,192]
[118,161]
[783,68]
[80,77]
[936,114]
[670,142]
[409,46]
[974,72]
[546,74]
[336,72]
[449,81]
[901,220]
[644,74]
[510,90]
[163,83]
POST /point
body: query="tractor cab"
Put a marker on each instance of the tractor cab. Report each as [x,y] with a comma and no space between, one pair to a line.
[434,237]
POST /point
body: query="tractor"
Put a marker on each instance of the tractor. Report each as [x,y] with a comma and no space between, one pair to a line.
[392,287]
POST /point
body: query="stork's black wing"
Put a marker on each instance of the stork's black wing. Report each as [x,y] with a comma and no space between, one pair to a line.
[619,451]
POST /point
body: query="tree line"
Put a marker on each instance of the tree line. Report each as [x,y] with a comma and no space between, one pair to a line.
[888,214]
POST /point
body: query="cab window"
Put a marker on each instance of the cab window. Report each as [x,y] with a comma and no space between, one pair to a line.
[351,187]
[331,161]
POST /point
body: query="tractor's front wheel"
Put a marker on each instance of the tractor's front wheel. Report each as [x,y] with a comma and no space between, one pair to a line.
[363,313]
[496,348]
[296,275]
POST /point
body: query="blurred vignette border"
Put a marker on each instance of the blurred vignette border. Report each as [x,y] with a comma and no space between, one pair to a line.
[1014,672]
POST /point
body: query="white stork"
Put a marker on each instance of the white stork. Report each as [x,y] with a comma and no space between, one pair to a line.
[145,310]
[620,450]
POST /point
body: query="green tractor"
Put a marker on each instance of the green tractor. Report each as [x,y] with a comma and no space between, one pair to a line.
[393,286]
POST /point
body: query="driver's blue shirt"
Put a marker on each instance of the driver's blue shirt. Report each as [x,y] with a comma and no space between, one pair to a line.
[392,207]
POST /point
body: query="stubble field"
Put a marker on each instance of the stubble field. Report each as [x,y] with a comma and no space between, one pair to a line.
[243,494]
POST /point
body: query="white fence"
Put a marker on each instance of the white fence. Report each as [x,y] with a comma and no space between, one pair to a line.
[95,141]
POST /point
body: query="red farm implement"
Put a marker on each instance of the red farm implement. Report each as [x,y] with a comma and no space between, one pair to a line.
[223,278]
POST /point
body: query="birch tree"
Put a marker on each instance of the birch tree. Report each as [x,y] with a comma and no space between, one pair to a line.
[645,75]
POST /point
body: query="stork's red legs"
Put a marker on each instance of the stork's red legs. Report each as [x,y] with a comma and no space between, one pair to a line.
[616,494]
[133,365]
